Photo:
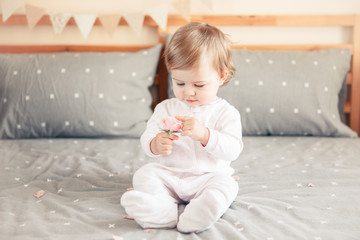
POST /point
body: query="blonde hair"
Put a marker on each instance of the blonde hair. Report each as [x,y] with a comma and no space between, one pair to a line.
[192,40]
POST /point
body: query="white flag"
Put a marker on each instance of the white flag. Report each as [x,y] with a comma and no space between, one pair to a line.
[135,21]
[160,14]
[209,4]
[110,22]
[59,21]
[183,7]
[9,7]
[33,14]
[85,23]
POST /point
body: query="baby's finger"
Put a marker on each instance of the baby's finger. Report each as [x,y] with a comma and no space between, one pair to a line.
[182,118]
[166,150]
[166,141]
[179,118]
[186,133]
[174,137]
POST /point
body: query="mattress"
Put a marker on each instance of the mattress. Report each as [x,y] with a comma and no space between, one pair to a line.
[290,188]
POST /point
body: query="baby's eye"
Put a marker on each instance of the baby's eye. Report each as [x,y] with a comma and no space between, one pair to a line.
[180,84]
[199,86]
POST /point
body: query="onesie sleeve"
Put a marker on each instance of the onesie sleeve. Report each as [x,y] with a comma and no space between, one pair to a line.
[225,142]
[152,129]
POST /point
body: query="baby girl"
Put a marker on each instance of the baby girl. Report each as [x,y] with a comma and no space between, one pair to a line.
[191,167]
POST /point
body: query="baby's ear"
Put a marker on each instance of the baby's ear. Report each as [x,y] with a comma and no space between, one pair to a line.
[223,77]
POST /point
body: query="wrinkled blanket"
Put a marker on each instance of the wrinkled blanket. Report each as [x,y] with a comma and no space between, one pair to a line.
[290,188]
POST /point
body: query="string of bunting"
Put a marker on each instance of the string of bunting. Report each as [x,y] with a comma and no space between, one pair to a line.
[85,22]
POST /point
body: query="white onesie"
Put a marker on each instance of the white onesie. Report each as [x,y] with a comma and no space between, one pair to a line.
[195,174]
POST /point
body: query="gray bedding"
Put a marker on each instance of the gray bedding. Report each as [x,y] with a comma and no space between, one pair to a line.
[290,188]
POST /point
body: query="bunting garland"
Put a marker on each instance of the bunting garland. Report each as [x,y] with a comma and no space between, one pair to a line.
[9,7]
[183,7]
[33,14]
[208,4]
[59,20]
[135,21]
[85,22]
[110,22]
[159,14]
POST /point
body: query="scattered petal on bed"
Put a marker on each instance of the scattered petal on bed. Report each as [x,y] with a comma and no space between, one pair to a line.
[310,185]
[129,189]
[236,178]
[149,230]
[128,217]
[39,193]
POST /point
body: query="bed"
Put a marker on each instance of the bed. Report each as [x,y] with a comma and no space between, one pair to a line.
[70,129]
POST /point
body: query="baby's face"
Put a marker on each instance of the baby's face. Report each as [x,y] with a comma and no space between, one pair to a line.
[196,86]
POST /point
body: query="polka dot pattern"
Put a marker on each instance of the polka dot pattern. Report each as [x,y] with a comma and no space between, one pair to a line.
[283,183]
[80,94]
[299,172]
[289,93]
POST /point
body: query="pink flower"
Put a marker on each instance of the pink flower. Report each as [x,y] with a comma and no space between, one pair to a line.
[171,124]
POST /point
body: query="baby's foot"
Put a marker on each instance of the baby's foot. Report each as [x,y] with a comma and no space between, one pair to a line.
[150,211]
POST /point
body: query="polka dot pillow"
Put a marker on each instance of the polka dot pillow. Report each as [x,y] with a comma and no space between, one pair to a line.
[290,92]
[76,94]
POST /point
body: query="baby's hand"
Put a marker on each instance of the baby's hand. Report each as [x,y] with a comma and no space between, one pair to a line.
[194,129]
[162,143]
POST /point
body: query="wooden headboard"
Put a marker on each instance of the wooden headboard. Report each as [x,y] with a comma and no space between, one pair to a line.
[352,105]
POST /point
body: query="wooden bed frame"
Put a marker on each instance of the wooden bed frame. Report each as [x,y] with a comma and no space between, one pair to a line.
[352,105]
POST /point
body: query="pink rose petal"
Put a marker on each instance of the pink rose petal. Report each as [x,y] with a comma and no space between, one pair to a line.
[39,193]
[171,124]
[128,217]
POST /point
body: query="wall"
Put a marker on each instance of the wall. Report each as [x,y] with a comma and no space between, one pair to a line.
[124,35]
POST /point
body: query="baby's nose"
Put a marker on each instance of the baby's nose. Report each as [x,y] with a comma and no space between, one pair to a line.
[190,91]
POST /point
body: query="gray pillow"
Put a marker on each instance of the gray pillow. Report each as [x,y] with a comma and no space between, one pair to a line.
[83,94]
[290,92]
[299,93]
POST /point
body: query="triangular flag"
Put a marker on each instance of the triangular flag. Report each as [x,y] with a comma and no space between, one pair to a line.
[183,7]
[135,21]
[208,4]
[160,14]
[85,23]
[110,22]
[59,20]
[9,7]
[33,14]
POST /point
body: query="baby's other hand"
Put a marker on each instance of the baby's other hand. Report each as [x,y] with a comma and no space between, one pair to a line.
[162,143]
[194,129]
